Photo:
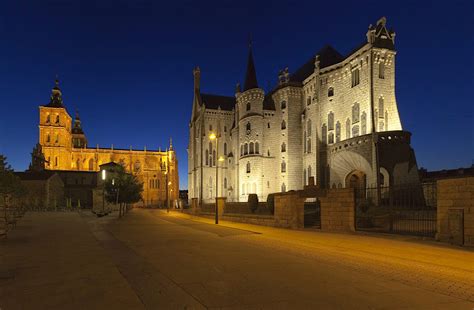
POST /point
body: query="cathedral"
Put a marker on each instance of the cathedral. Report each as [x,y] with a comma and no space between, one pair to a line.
[332,122]
[64,147]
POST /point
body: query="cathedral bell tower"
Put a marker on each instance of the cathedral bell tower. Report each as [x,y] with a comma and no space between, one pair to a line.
[55,131]
[79,139]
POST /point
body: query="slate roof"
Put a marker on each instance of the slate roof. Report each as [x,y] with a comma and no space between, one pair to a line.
[251,75]
[215,101]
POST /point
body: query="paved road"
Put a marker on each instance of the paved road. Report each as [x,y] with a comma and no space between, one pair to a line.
[151,259]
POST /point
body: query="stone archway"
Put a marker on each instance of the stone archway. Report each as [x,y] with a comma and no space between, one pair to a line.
[356,179]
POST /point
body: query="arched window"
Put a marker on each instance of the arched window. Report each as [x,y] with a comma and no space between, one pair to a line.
[283,105]
[363,123]
[268,152]
[257,148]
[225,128]
[348,129]
[304,177]
[283,166]
[283,147]
[381,108]
[355,131]
[308,127]
[56,161]
[331,138]
[210,147]
[48,138]
[57,119]
[248,167]
[309,145]
[249,127]
[242,150]
[91,164]
[283,124]
[268,125]
[207,157]
[225,148]
[214,157]
[225,182]
[246,149]
[48,118]
[330,121]
[324,133]
[338,131]
[210,127]
[251,149]
[248,106]
[304,142]
[330,92]
[308,100]
[57,138]
[355,113]
[381,70]
[283,187]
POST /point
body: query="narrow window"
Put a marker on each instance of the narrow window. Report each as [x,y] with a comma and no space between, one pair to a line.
[283,147]
[257,148]
[249,127]
[309,145]
[268,152]
[381,108]
[283,125]
[207,157]
[283,187]
[225,128]
[330,121]
[348,129]
[355,113]
[355,77]
[331,138]
[308,101]
[225,149]
[283,105]
[57,138]
[304,176]
[214,157]
[355,131]
[283,166]
[56,161]
[248,167]
[248,106]
[338,132]
[48,138]
[308,127]
[57,119]
[251,149]
[309,173]
[210,127]
[48,119]
[225,182]
[363,123]
[330,92]
[381,70]
[268,125]
[246,149]
[324,133]
[242,150]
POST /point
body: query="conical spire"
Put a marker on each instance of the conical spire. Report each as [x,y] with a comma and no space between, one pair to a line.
[251,75]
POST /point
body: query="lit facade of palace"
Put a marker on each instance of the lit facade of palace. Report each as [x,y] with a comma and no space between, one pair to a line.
[322,121]
[64,146]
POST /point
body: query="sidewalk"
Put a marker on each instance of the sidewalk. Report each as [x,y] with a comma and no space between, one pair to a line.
[52,261]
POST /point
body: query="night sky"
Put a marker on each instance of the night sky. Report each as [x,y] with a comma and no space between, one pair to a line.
[127,65]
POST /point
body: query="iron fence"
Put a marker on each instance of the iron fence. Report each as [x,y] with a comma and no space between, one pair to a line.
[407,209]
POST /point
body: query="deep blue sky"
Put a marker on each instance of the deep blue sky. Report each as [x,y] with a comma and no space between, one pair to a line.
[127,65]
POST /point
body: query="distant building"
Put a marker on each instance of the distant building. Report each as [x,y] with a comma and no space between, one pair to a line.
[334,119]
[432,176]
[45,189]
[64,147]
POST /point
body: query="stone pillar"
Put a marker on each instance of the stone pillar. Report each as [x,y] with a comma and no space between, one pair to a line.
[455,211]
[338,210]
[289,210]
[221,206]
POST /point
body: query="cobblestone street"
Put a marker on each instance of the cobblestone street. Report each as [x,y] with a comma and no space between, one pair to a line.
[151,259]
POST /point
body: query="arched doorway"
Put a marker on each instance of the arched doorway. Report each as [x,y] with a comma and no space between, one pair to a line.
[356,179]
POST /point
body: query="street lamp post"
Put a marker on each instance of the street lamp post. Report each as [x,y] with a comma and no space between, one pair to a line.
[214,136]
[104,176]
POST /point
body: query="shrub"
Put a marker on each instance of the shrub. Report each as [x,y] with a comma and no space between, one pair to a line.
[271,203]
[253,202]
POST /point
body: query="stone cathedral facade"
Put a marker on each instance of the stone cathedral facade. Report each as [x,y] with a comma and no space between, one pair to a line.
[64,146]
[333,120]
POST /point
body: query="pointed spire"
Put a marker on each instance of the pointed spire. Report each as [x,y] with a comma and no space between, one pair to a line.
[251,75]
[56,100]
[171,144]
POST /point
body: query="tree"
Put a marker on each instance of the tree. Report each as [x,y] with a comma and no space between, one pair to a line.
[122,187]
[10,184]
